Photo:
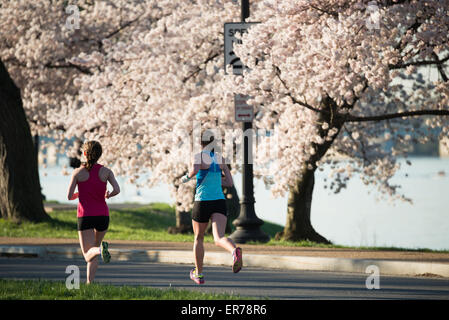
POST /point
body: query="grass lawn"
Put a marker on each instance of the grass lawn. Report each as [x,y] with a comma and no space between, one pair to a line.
[56,290]
[147,223]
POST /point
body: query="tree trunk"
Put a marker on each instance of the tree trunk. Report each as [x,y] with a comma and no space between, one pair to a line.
[299,226]
[20,190]
[183,218]
[183,223]
[232,206]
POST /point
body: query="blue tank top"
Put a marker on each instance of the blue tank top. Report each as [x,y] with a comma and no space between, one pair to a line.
[208,182]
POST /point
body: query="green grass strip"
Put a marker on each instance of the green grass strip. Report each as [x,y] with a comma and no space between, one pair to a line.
[57,290]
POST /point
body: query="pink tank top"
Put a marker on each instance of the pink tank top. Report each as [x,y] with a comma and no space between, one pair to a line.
[91,195]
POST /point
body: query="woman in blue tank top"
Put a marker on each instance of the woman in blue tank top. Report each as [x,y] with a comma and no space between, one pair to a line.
[211,173]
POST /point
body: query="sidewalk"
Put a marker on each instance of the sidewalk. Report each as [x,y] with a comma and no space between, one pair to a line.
[408,263]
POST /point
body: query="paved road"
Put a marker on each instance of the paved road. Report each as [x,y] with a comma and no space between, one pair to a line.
[253,282]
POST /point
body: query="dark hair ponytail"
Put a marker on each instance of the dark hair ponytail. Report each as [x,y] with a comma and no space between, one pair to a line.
[93,151]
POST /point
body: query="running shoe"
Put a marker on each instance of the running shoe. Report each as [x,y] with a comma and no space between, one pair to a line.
[197,278]
[105,255]
[238,260]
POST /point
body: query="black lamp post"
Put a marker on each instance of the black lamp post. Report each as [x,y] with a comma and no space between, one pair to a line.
[247,223]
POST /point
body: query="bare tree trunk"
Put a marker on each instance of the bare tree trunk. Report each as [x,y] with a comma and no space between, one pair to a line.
[183,218]
[232,206]
[183,223]
[299,226]
[20,190]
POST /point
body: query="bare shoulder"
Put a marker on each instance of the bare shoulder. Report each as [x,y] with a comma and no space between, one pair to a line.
[80,174]
[104,173]
[105,169]
[78,171]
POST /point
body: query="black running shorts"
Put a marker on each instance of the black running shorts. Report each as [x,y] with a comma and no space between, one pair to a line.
[203,210]
[99,223]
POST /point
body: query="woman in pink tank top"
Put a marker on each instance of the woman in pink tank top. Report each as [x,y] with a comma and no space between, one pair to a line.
[93,212]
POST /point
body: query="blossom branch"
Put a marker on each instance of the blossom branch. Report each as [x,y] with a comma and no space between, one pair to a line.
[437,62]
[440,67]
[351,118]
[278,75]
[211,57]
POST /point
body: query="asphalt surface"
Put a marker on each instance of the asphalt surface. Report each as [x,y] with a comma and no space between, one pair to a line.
[253,282]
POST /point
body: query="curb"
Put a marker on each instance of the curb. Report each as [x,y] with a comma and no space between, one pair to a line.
[388,267]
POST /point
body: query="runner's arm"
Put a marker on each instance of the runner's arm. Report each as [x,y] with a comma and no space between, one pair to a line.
[114,184]
[194,171]
[226,181]
[196,167]
[71,195]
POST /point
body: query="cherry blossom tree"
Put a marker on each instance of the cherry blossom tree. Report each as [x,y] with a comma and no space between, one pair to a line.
[151,90]
[130,71]
[334,81]
[338,80]
[37,41]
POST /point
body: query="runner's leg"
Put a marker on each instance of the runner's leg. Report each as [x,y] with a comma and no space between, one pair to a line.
[218,230]
[90,251]
[93,264]
[199,228]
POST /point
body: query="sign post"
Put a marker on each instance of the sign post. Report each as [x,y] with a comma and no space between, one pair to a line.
[247,223]
[231,29]
[243,111]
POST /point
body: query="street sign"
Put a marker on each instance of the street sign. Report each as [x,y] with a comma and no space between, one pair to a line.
[243,111]
[230,30]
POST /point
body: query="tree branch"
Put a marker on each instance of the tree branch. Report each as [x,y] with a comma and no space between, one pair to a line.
[362,145]
[400,46]
[331,13]
[418,63]
[198,69]
[306,105]
[68,65]
[127,24]
[350,118]
[440,67]
[49,65]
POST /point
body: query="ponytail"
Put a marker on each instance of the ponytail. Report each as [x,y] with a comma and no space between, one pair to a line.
[89,164]
[93,151]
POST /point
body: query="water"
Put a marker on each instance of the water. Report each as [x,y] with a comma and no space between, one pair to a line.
[353,217]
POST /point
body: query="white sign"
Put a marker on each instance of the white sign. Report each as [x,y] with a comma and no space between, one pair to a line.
[243,111]
[230,30]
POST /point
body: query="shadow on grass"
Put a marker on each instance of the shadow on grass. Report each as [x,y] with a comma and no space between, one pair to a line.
[142,219]
[61,224]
